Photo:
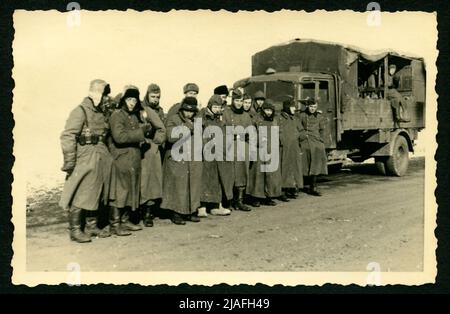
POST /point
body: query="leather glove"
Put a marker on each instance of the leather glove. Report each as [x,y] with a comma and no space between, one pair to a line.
[68,168]
[146,128]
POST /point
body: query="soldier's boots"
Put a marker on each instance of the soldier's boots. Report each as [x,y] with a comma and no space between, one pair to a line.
[254,202]
[192,218]
[115,226]
[283,198]
[177,219]
[292,193]
[269,202]
[202,212]
[94,231]
[148,216]
[127,224]
[76,234]
[313,187]
[221,211]
[239,200]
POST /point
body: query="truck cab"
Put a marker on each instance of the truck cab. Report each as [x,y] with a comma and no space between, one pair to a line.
[299,85]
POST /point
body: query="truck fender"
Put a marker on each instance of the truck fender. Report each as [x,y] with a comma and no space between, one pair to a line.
[395,134]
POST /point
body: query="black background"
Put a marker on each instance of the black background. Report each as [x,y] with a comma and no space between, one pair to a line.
[280,296]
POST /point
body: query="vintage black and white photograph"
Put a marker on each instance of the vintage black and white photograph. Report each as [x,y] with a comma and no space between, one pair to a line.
[208,147]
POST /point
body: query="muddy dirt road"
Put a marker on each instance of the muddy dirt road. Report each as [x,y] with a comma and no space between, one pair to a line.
[362,217]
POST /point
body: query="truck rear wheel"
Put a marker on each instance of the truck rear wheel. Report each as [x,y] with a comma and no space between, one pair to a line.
[397,164]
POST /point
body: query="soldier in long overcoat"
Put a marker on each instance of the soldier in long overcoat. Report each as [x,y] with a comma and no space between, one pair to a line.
[235,116]
[127,137]
[87,161]
[182,181]
[290,151]
[265,185]
[151,163]
[217,178]
[312,144]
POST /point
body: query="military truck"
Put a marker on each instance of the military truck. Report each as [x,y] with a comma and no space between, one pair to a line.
[351,88]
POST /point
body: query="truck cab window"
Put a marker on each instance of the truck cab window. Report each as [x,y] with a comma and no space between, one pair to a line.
[279,91]
[307,90]
[253,87]
[323,92]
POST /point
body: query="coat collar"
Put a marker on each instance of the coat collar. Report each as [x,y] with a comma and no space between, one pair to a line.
[286,115]
[89,104]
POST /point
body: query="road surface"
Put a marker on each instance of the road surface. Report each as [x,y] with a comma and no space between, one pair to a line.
[362,217]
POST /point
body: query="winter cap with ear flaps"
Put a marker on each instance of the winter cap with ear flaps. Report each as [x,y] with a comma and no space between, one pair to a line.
[215,100]
[189,104]
[237,94]
[221,90]
[268,104]
[153,88]
[259,95]
[288,104]
[308,101]
[190,87]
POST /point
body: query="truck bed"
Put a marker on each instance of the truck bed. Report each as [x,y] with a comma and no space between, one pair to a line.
[365,114]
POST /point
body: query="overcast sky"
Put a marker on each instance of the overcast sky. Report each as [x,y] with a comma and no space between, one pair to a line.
[54,62]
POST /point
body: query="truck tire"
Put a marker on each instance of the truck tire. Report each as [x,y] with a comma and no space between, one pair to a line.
[397,164]
[380,164]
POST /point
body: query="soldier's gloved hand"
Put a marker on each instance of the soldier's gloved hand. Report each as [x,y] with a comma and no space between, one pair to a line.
[68,168]
[190,126]
[302,137]
[146,128]
[148,142]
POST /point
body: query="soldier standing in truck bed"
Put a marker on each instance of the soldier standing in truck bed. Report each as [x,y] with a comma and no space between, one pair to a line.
[87,162]
[312,144]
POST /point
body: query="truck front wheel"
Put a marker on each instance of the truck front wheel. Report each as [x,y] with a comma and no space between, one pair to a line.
[397,164]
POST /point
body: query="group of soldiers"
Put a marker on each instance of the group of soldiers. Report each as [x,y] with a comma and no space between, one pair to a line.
[118,157]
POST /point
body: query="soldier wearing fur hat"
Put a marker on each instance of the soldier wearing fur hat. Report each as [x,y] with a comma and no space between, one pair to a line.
[127,137]
[234,115]
[182,180]
[290,151]
[189,90]
[151,163]
[223,92]
[265,185]
[312,144]
[217,182]
[87,163]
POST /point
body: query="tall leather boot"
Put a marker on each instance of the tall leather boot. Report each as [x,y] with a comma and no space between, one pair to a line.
[148,216]
[76,234]
[126,223]
[93,230]
[239,202]
[114,223]
[313,187]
